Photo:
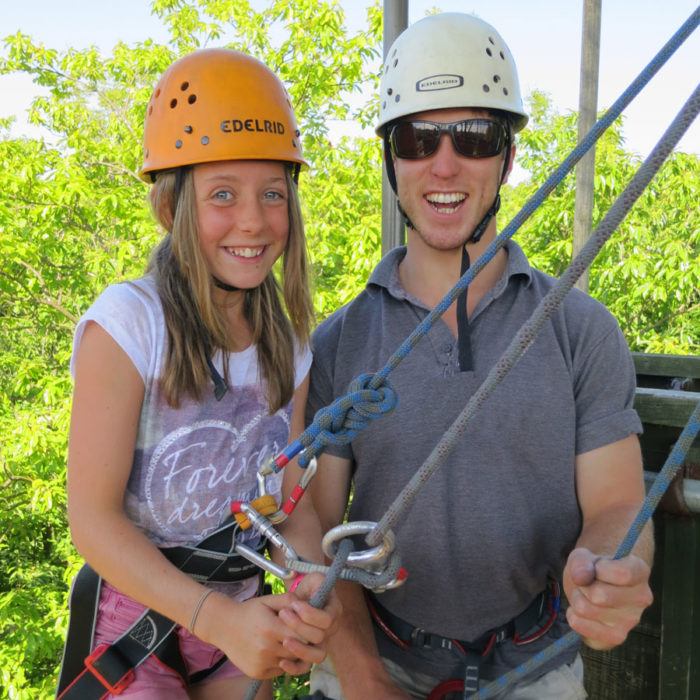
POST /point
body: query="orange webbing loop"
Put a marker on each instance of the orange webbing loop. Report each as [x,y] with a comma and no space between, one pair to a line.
[265,505]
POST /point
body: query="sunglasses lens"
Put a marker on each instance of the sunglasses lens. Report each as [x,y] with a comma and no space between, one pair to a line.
[478,138]
[414,139]
[473,138]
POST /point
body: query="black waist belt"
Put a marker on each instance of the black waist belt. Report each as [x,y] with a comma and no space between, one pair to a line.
[529,625]
[212,558]
[88,674]
[209,565]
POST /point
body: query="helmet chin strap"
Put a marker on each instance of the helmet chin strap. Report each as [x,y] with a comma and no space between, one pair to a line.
[464,347]
[226,287]
[492,211]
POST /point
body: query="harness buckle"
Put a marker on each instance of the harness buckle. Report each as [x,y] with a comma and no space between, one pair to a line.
[471,679]
[420,638]
[124,681]
[550,603]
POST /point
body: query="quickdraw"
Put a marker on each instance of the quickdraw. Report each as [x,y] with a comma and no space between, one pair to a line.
[377,568]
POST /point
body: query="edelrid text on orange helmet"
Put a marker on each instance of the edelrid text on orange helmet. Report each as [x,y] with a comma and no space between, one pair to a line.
[218,104]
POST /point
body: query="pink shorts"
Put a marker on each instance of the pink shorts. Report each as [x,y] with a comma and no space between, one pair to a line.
[153,681]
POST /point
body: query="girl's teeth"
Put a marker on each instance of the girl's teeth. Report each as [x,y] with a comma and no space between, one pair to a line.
[246,252]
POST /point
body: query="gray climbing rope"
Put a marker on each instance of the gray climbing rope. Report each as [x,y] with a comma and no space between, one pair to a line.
[544,311]
[360,405]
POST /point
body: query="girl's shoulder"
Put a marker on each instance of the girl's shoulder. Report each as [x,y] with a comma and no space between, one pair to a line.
[130,296]
[132,314]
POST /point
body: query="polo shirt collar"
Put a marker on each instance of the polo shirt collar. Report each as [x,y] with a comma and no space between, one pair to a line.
[386,274]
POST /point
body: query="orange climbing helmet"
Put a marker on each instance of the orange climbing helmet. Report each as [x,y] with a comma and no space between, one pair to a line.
[218,104]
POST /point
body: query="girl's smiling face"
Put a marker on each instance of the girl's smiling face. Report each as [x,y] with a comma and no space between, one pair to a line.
[242,217]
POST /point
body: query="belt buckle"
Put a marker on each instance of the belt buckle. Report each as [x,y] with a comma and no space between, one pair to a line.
[420,638]
[117,688]
[551,601]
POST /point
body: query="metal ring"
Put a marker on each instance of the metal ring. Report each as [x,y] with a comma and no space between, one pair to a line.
[366,558]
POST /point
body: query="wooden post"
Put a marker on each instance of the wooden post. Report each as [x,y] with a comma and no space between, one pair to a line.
[587,107]
[395,21]
[679,662]
[661,658]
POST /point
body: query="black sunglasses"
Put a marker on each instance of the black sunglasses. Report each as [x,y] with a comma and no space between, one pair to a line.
[472,138]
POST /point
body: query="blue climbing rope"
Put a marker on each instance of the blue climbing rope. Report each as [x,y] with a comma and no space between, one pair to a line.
[370,396]
[544,311]
[671,467]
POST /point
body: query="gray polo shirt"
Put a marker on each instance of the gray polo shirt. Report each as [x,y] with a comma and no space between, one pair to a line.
[501,515]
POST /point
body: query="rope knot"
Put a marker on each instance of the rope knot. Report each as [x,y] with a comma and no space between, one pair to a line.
[339,423]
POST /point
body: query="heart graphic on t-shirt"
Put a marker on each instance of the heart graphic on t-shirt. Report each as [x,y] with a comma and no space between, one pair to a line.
[197,470]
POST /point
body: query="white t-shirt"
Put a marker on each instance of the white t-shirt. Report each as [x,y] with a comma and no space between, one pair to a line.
[191,462]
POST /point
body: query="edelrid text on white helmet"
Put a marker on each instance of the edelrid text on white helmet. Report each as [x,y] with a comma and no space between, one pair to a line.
[449,60]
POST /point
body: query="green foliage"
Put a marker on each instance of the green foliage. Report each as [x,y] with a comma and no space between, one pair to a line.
[73,219]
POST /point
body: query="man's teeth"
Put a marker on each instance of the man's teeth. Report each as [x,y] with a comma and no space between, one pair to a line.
[246,252]
[445,197]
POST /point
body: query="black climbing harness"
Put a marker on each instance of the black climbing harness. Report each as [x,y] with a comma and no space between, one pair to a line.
[91,674]
[526,627]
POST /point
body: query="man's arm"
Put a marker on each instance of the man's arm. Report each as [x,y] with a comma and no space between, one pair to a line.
[353,649]
[606,596]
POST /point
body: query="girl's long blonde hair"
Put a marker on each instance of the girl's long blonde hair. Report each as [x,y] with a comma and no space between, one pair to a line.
[197,328]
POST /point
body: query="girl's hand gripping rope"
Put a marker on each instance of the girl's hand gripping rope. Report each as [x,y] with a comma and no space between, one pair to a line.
[311,625]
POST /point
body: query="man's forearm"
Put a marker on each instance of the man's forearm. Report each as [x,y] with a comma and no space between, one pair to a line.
[604,534]
[353,650]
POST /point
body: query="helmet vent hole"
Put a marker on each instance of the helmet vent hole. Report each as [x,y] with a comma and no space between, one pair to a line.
[294,143]
[485,88]
[488,51]
[396,62]
[157,93]
[492,41]
[505,91]
[503,56]
[390,91]
[205,140]
[192,99]
[184,86]
[150,109]
[178,144]
[383,105]
[397,98]
[173,103]
[394,53]
[188,129]
[496,78]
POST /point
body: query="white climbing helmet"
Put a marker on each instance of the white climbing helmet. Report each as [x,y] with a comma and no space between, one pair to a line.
[449,60]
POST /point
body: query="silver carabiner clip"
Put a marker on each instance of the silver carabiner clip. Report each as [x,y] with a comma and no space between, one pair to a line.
[264,563]
[265,528]
[372,559]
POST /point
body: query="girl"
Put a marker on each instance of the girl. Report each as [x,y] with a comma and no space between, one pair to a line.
[185,381]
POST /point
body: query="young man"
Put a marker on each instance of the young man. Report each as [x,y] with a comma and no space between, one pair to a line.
[547,476]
